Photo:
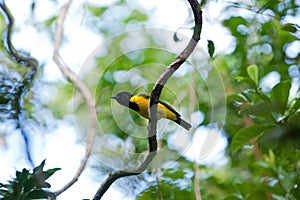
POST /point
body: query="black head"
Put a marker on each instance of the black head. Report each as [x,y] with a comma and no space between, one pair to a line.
[122,98]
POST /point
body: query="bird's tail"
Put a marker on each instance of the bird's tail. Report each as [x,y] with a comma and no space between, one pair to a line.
[183,123]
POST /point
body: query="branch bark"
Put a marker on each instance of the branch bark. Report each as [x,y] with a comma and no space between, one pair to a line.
[84,91]
[155,94]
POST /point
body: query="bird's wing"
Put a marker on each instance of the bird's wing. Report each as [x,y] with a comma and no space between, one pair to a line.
[163,103]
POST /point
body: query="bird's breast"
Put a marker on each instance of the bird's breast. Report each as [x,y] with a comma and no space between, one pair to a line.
[143,103]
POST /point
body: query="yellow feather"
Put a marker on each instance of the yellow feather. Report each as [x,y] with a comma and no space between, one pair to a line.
[162,111]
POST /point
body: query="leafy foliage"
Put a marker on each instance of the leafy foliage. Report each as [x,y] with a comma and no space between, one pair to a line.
[28,185]
[260,77]
[261,138]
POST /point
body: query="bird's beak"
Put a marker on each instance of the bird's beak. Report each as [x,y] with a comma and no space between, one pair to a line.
[113,97]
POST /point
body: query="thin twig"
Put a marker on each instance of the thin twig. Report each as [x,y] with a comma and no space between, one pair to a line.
[192,105]
[87,97]
[197,182]
[155,94]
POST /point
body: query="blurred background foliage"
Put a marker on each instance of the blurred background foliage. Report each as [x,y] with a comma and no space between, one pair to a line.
[256,106]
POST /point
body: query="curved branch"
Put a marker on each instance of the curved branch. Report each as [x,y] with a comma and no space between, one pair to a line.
[23,60]
[174,66]
[22,87]
[155,94]
[88,99]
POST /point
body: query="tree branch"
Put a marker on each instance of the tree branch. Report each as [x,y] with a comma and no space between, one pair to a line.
[23,86]
[197,192]
[192,105]
[88,99]
[155,94]
[175,65]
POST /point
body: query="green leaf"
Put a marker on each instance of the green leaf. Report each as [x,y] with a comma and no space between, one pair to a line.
[30,184]
[50,21]
[239,78]
[97,11]
[232,197]
[50,172]
[174,174]
[295,192]
[280,94]
[289,27]
[39,168]
[21,177]
[252,71]
[270,158]
[236,98]
[243,136]
[36,194]
[211,48]
[247,80]
[233,22]
[297,104]
[261,109]
[136,15]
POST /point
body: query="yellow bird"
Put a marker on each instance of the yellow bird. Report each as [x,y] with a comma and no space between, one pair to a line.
[139,103]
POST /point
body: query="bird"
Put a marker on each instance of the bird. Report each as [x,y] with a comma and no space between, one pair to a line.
[140,103]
